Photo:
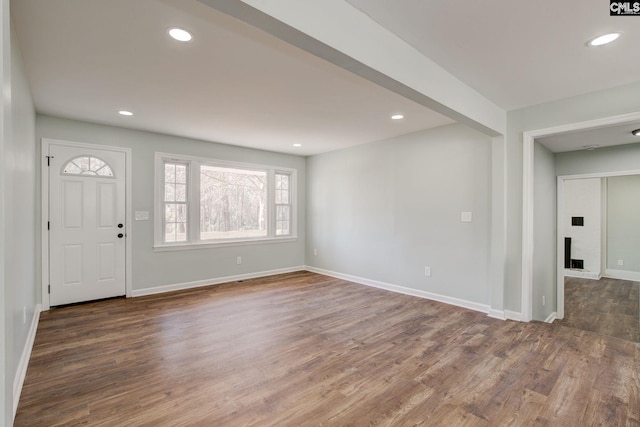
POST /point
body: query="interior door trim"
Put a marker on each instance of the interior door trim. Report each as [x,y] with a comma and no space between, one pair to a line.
[44,212]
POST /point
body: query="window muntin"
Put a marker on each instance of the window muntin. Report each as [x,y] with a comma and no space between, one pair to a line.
[88,166]
[233,203]
[283,203]
[224,203]
[175,202]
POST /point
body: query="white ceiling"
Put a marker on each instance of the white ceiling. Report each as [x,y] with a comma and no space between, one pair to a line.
[235,84]
[87,59]
[517,53]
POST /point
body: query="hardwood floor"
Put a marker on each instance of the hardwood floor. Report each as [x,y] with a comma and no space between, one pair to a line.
[303,349]
[606,306]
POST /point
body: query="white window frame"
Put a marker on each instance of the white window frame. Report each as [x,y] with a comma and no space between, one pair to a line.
[193,203]
[290,204]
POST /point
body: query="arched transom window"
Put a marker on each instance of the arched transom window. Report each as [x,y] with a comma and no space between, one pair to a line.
[87,165]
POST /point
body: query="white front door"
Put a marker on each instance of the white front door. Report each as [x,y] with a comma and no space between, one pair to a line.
[87,227]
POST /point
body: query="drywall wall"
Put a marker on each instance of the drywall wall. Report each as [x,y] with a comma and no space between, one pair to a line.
[583,198]
[623,223]
[595,105]
[20,197]
[544,251]
[618,158]
[386,210]
[19,271]
[154,269]
[5,135]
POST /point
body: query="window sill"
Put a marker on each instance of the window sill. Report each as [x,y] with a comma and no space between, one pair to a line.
[222,244]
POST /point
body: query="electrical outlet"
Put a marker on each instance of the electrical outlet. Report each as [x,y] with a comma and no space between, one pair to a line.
[239,260]
[543,300]
[427,271]
[315,251]
[620,262]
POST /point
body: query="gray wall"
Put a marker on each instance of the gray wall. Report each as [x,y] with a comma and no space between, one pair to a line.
[623,222]
[595,105]
[19,258]
[5,135]
[384,211]
[610,159]
[152,269]
[544,244]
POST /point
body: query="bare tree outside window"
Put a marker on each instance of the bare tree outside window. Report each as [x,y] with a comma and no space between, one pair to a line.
[232,203]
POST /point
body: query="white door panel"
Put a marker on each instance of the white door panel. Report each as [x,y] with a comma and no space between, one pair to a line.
[87,258]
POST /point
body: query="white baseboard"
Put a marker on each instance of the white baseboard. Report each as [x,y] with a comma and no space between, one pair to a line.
[403,290]
[551,317]
[513,315]
[23,363]
[497,314]
[214,281]
[583,274]
[622,275]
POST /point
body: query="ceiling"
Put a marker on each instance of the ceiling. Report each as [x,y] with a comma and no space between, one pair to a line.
[87,59]
[517,53]
[592,138]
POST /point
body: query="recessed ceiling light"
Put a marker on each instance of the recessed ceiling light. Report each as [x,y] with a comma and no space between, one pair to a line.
[297,145]
[636,132]
[603,39]
[397,117]
[180,34]
[125,113]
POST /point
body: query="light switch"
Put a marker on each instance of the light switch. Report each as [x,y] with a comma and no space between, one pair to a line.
[465,217]
[142,215]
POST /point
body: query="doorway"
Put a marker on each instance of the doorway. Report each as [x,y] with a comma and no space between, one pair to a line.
[601,294]
[86,244]
[528,235]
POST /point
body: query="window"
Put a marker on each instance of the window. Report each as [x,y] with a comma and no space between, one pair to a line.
[233,203]
[87,165]
[175,202]
[283,204]
[201,202]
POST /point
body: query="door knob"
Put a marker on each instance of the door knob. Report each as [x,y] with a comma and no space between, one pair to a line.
[120,235]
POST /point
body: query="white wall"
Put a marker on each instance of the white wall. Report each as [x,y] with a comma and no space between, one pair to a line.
[623,223]
[154,269]
[583,198]
[384,211]
[544,251]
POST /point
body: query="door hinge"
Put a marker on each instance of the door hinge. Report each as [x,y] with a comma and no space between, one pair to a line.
[49,289]
[48,225]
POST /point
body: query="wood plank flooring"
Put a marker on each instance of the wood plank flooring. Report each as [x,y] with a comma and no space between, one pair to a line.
[606,306]
[303,349]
